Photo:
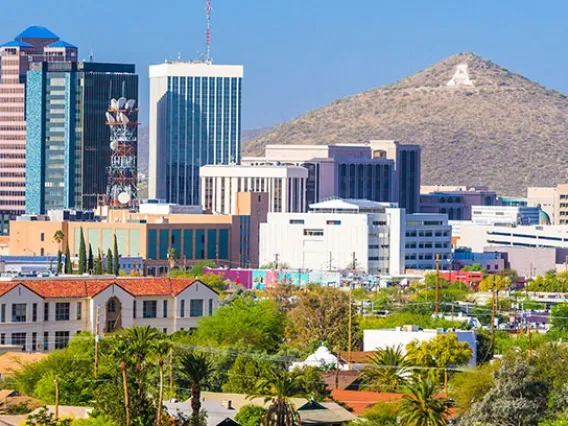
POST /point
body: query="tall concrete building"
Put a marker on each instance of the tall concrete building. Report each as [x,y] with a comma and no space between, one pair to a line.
[68,140]
[195,120]
[342,170]
[33,44]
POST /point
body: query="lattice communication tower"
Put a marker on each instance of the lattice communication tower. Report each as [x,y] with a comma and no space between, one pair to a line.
[122,172]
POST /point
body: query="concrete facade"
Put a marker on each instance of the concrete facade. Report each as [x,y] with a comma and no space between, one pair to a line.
[456,203]
[195,120]
[545,198]
[502,215]
[285,186]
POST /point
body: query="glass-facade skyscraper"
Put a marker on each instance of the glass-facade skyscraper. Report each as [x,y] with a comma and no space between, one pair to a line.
[195,120]
[68,141]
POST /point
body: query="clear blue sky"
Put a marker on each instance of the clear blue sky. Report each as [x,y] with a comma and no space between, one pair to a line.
[301,54]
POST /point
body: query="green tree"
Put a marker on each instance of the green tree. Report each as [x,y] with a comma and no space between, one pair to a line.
[58,237]
[162,349]
[245,322]
[116,258]
[388,370]
[122,353]
[559,317]
[59,262]
[278,387]
[98,266]
[442,352]
[421,407]
[215,281]
[90,261]
[194,370]
[109,262]
[243,375]
[476,267]
[45,418]
[68,265]
[471,386]
[381,414]
[517,398]
[250,415]
[82,253]
[197,269]
[320,315]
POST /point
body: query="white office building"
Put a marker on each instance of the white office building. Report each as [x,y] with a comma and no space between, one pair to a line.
[402,336]
[43,315]
[505,215]
[195,119]
[377,233]
[285,185]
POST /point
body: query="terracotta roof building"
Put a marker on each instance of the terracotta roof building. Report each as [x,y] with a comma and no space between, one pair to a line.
[42,315]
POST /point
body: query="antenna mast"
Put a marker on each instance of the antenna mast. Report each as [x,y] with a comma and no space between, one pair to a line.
[208,33]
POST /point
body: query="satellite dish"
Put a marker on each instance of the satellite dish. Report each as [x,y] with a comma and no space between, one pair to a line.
[124,118]
[113,145]
[121,103]
[124,198]
[113,103]
[130,104]
[109,117]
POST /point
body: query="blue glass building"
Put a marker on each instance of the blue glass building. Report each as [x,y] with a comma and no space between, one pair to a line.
[195,120]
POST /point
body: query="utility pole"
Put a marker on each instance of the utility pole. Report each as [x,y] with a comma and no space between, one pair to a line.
[493,314]
[446,383]
[330,260]
[349,335]
[97,325]
[56,399]
[437,308]
[276,258]
[171,371]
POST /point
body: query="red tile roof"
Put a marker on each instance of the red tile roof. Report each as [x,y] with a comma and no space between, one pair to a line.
[73,288]
[361,400]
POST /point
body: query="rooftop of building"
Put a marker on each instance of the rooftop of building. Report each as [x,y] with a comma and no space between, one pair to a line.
[63,44]
[16,43]
[37,32]
[350,205]
[87,287]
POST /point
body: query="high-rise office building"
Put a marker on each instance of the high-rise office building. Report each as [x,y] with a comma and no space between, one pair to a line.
[68,139]
[33,44]
[195,120]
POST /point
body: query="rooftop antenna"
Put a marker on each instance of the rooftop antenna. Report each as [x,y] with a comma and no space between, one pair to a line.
[91,55]
[208,33]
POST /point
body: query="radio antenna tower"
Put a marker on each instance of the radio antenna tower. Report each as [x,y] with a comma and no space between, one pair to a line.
[122,177]
[208,33]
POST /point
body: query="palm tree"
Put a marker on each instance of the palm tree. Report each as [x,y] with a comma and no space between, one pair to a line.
[162,350]
[388,371]
[278,387]
[121,352]
[172,256]
[58,237]
[195,369]
[421,407]
[141,341]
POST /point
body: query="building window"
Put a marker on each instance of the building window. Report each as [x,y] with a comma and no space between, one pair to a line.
[46,311]
[165,330]
[3,313]
[134,309]
[3,339]
[19,339]
[79,310]
[313,232]
[34,312]
[150,309]
[62,311]
[34,341]
[61,339]
[165,308]
[182,309]
[210,307]
[196,308]
[19,312]
[333,222]
[45,340]
[42,237]
[296,221]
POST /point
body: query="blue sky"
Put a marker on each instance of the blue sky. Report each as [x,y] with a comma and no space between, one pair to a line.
[301,54]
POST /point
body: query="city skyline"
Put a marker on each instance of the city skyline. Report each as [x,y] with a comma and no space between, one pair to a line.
[344,50]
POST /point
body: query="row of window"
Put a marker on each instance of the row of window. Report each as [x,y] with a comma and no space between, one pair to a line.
[327,222]
[427,234]
[20,312]
[426,245]
[150,308]
[20,339]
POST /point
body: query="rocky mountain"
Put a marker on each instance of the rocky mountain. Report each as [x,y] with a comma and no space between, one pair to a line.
[477,122]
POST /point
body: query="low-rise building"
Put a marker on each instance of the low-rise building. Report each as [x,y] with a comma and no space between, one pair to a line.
[230,240]
[43,315]
[456,202]
[383,239]
[504,215]
[402,336]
